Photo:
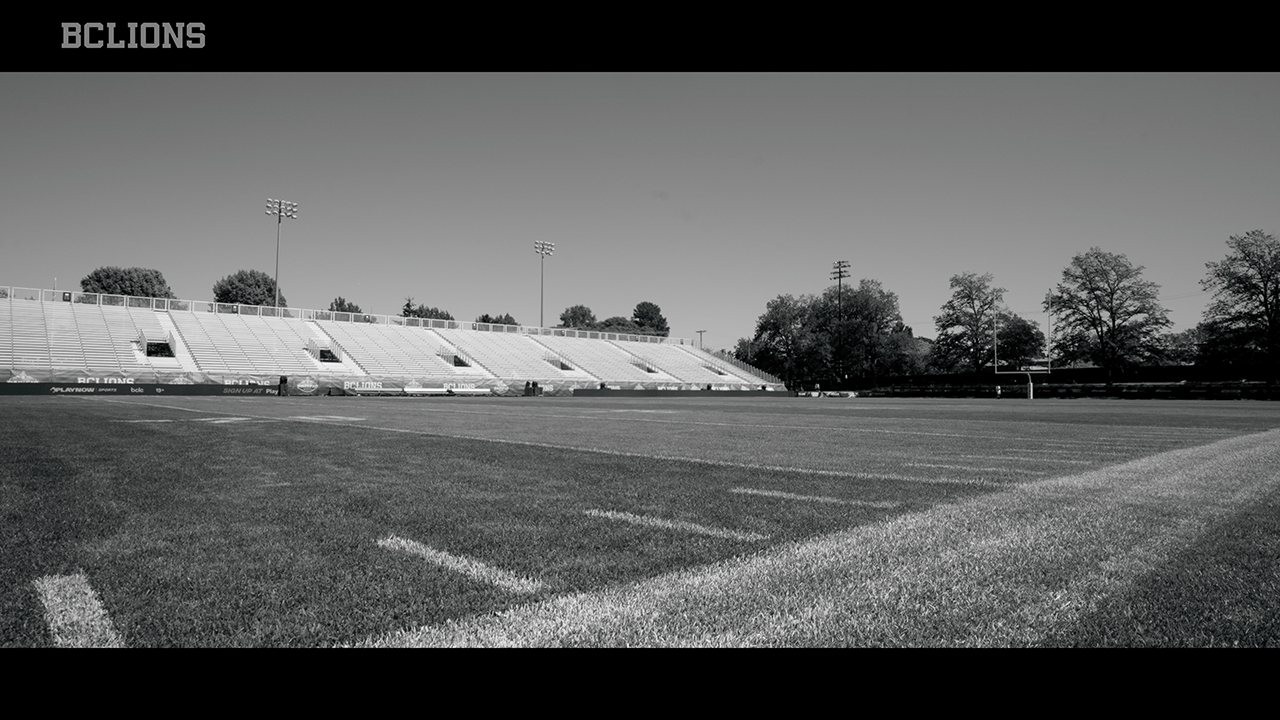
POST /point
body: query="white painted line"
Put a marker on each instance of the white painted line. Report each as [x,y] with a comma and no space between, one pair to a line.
[1025,457]
[471,568]
[976,469]
[676,525]
[326,418]
[815,498]
[220,421]
[143,421]
[74,613]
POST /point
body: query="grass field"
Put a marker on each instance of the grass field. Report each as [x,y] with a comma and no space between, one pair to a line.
[191,521]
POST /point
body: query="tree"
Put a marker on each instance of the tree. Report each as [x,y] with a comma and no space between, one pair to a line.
[1243,318]
[964,327]
[422,311]
[796,338]
[874,340]
[135,281]
[621,325]
[497,319]
[1105,313]
[247,287]
[1182,348]
[1021,341]
[648,318]
[578,317]
[340,304]
[786,343]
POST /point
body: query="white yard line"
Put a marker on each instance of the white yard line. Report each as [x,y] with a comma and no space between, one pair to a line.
[887,504]
[676,525]
[74,613]
[471,568]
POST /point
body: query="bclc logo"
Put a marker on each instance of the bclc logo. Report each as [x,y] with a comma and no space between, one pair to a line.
[145,35]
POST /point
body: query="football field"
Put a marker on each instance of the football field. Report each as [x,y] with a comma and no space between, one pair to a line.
[717,521]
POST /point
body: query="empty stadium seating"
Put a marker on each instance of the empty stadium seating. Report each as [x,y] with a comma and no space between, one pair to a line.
[47,334]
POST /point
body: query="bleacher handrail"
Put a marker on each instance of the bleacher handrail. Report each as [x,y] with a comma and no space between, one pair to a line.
[745,367]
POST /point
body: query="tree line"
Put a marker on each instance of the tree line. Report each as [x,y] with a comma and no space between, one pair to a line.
[254,287]
[1104,314]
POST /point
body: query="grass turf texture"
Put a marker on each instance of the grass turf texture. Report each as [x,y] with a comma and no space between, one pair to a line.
[264,530]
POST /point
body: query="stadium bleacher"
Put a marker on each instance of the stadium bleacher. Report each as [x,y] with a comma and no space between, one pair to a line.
[46,336]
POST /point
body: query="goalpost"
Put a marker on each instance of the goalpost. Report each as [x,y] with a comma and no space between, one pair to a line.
[1027,370]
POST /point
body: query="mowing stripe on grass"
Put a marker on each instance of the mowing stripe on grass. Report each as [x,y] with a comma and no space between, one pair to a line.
[677,525]
[976,469]
[888,504]
[471,568]
[739,425]
[854,475]
[1007,569]
[74,613]
[1025,457]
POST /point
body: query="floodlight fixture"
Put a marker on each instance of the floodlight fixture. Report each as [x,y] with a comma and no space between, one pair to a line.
[281,209]
[543,249]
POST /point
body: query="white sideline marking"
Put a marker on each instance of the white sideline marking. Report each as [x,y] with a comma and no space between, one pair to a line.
[220,421]
[471,568]
[143,421]
[815,498]
[74,613]
[976,469]
[676,525]
[326,418]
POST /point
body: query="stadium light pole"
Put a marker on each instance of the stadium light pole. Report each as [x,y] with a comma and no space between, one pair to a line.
[544,249]
[699,338]
[281,209]
[840,271]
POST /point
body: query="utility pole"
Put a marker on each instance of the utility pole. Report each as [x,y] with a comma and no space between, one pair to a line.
[840,271]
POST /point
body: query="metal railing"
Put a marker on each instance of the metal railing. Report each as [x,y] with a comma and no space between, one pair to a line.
[177,305]
[745,367]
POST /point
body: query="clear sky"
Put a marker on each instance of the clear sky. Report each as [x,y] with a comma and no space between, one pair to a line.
[708,194]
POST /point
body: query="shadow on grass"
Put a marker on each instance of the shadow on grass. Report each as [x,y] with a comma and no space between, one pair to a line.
[1209,595]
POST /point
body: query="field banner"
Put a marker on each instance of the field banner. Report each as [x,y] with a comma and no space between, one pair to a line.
[45,381]
[170,377]
[73,376]
[310,385]
[245,379]
[8,376]
[98,377]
